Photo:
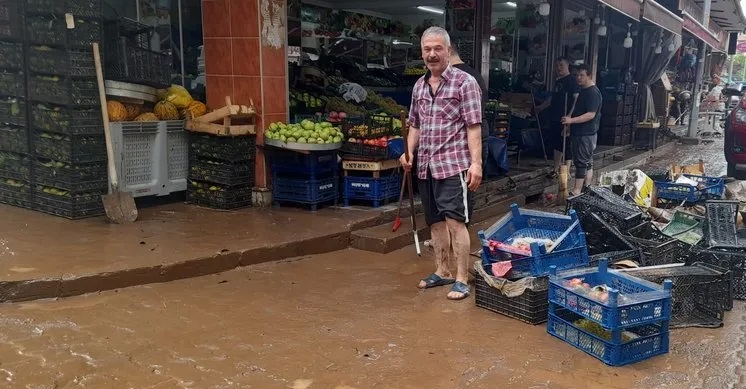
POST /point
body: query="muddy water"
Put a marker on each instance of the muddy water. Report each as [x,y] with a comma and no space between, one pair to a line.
[345,320]
[710,150]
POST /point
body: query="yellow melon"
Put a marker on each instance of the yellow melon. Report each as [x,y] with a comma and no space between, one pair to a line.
[194,110]
[133,110]
[166,111]
[117,112]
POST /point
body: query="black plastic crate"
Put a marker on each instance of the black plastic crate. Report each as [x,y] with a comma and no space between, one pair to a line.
[13,111]
[600,236]
[70,175]
[11,55]
[69,148]
[15,192]
[222,148]
[369,152]
[731,259]
[218,196]
[657,248]
[126,62]
[613,257]
[373,126]
[67,120]
[701,293]
[63,90]
[15,165]
[13,138]
[79,8]
[721,223]
[530,307]
[134,33]
[50,29]
[66,204]
[12,83]
[50,61]
[224,173]
[620,216]
[11,20]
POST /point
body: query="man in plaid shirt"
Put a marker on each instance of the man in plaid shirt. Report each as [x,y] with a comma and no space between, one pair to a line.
[445,128]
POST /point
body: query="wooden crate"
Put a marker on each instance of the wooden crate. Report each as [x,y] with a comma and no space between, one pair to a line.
[374,167]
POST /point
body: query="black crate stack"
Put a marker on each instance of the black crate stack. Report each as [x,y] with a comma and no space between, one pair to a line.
[221,170]
[128,55]
[67,144]
[618,116]
[15,164]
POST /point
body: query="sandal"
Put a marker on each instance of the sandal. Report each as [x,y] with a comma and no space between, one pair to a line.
[434,280]
[460,287]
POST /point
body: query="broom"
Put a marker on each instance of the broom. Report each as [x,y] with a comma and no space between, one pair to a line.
[405,132]
[564,173]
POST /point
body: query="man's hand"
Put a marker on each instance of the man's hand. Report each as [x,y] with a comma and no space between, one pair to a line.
[406,163]
[567,120]
[474,176]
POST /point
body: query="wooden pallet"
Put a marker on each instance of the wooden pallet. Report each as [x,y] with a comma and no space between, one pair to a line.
[230,116]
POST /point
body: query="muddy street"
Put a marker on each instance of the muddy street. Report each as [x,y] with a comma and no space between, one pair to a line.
[348,319]
[710,150]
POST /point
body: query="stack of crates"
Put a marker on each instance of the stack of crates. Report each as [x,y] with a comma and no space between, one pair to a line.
[618,117]
[613,316]
[308,180]
[504,261]
[15,165]
[221,170]
[68,148]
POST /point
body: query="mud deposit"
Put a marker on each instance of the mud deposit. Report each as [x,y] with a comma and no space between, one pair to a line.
[345,320]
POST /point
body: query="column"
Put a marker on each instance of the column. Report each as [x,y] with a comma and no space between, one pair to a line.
[706,5]
[694,115]
[245,58]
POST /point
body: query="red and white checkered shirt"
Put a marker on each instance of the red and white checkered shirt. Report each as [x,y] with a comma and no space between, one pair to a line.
[443,118]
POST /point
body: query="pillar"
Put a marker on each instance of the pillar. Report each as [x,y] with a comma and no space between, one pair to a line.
[694,115]
[706,5]
[246,59]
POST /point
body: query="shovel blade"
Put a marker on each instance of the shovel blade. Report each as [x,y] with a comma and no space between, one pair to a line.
[120,207]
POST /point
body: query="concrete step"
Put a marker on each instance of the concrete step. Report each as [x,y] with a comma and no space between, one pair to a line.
[381,238]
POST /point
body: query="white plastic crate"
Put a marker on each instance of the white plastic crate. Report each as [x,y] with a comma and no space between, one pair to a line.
[150,157]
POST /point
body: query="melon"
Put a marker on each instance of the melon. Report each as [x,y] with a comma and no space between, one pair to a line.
[117,111]
[146,117]
[194,110]
[166,111]
[133,110]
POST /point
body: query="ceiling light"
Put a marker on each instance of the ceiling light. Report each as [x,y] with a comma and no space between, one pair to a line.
[430,9]
[511,4]
[628,40]
[544,9]
[671,46]
[492,38]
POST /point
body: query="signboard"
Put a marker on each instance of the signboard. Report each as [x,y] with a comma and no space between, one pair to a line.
[660,16]
[702,33]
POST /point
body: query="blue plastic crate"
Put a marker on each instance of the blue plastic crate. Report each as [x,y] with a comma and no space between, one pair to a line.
[714,188]
[624,346]
[569,253]
[371,189]
[315,163]
[630,301]
[304,191]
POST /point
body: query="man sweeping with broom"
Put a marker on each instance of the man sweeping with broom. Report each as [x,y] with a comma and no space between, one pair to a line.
[584,120]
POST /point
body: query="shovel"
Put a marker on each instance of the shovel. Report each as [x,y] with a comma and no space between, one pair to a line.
[407,180]
[119,206]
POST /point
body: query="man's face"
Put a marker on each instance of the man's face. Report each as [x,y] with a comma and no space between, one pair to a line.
[435,53]
[561,68]
[583,78]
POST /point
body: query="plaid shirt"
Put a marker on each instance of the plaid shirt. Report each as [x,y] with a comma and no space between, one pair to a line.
[442,119]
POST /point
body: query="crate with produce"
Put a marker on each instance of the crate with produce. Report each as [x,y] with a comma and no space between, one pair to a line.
[11,54]
[52,30]
[11,21]
[14,138]
[13,111]
[221,170]
[15,192]
[613,316]
[69,148]
[69,203]
[376,137]
[15,165]
[526,243]
[129,58]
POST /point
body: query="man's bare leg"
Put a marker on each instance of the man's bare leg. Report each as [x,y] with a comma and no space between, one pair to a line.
[588,177]
[441,242]
[461,245]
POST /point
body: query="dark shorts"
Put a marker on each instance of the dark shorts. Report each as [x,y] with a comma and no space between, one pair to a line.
[582,149]
[446,198]
[556,140]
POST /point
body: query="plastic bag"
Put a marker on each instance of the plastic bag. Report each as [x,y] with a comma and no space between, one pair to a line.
[512,288]
[352,91]
[178,96]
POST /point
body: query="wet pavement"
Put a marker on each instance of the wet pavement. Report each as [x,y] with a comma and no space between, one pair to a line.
[343,320]
[710,150]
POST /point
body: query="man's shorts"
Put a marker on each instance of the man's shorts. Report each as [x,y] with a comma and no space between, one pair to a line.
[582,148]
[446,198]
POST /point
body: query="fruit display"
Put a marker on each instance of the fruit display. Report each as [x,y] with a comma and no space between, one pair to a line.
[305,100]
[336,117]
[15,186]
[378,142]
[173,103]
[69,172]
[133,111]
[339,104]
[14,164]
[13,111]
[387,104]
[304,132]
[178,96]
[66,120]
[69,148]
[194,110]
